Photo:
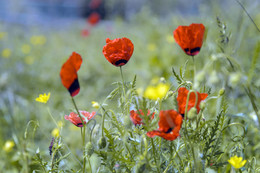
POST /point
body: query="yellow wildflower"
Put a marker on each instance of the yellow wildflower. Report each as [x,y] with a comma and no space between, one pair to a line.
[9,145]
[2,35]
[38,40]
[26,48]
[43,98]
[6,53]
[95,104]
[29,60]
[155,92]
[55,132]
[237,162]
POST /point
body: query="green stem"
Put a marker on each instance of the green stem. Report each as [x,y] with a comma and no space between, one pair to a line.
[103,120]
[194,69]
[83,134]
[89,165]
[186,130]
[123,81]
[177,153]
[154,155]
[52,116]
[91,131]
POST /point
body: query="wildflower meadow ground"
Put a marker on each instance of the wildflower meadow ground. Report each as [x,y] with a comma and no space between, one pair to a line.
[179,94]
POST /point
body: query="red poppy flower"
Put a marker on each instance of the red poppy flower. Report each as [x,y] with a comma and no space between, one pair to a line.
[68,73]
[190,38]
[169,125]
[182,98]
[118,51]
[93,18]
[135,117]
[75,119]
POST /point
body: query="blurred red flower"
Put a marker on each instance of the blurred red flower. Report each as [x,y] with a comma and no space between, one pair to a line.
[169,125]
[190,38]
[118,51]
[85,32]
[182,98]
[95,4]
[75,119]
[93,18]
[135,117]
[68,73]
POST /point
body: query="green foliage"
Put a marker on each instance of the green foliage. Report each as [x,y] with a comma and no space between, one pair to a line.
[227,125]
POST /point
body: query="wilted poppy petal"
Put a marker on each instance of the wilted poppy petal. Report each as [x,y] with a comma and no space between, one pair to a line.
[76,120]
[118,51]
[169,125]
[135,117]
[68,73]
[190,38]
[182,98]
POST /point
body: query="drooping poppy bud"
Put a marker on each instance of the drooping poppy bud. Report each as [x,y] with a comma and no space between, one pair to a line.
[68,73]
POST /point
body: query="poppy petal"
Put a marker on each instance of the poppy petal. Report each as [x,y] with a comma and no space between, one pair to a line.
[170,123]
[190,38]
[68,73]
[182,98]
[118,51]
[168,136]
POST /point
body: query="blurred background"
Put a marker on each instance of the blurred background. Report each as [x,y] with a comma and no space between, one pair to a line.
[38,36]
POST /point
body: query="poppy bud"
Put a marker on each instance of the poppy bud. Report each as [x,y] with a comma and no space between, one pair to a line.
[221,92]
[89,149]
[202,105]
[102,142]
[192,113]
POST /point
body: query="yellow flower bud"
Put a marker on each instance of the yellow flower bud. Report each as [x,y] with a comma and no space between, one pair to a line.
[55,132]
[9,145]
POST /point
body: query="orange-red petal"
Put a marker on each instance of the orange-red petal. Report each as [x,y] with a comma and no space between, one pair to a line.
[190,38]
[135,117]
[118,51]
[68,73]
[182,98]
[169,125]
